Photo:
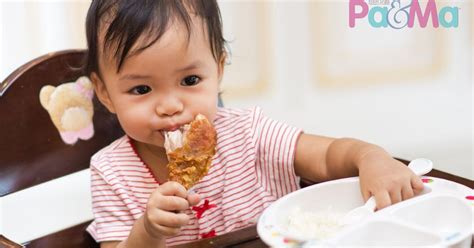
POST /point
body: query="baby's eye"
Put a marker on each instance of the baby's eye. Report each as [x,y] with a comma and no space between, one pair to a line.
[190,81]
[140,90]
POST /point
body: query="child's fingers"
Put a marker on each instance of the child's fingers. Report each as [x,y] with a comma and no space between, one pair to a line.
[366,195]
[382,199]
[173,188]
[173,220]
[416,184]
[407,192]
[395,196]
[164,222]
[172,203]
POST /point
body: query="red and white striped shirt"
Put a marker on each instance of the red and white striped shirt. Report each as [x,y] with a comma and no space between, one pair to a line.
[252,168]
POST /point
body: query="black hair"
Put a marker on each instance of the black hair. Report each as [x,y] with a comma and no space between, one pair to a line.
[127,20]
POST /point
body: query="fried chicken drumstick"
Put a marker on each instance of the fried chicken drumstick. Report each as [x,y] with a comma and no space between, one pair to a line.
[190,150]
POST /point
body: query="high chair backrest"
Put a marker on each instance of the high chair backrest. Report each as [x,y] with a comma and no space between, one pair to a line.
[32,153]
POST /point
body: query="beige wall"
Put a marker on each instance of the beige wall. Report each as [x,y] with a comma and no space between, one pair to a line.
[32,28]
[408,90]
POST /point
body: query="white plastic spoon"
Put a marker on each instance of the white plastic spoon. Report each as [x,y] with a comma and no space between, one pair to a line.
[419,166]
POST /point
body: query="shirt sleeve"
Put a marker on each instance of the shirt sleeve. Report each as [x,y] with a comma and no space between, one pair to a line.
[275,148]
[112,220]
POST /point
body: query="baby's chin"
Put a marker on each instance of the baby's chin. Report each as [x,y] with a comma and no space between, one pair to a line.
[155,142]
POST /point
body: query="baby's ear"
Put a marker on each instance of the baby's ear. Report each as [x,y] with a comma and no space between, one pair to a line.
[220,66]
[101,92]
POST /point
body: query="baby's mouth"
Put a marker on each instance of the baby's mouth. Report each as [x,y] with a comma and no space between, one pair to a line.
[175,139]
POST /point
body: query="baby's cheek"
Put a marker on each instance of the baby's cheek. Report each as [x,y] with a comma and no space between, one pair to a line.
[206,108]
[132,124]
[213,109]
[212,115]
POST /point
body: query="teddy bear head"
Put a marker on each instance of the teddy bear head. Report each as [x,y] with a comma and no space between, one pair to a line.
[71,109]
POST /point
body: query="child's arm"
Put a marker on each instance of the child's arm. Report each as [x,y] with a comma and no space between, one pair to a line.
[321,158]
[161,218]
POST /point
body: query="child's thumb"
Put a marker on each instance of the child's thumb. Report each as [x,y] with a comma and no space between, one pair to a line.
[193,199]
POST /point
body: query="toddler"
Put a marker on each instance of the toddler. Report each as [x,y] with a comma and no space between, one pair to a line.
[156,64]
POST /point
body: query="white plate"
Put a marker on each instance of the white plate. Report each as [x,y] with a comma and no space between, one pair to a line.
[442,215]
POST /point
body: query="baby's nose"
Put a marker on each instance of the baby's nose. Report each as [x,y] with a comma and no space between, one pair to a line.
[169,106]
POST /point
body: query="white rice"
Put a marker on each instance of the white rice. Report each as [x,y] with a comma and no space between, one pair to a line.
[314,225]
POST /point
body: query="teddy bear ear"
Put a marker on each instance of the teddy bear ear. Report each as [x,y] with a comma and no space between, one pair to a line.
[45,95]
[85,82]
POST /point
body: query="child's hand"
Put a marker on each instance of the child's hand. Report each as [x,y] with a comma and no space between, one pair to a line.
[163,215]
[387,179]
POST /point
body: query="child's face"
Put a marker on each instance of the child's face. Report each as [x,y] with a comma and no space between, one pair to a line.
[164,86]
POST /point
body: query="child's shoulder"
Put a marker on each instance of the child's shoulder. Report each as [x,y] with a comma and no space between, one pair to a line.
[109,151]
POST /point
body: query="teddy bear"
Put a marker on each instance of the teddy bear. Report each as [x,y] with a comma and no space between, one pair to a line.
[71,109]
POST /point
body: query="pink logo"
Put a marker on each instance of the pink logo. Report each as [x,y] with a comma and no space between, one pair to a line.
[395,14]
